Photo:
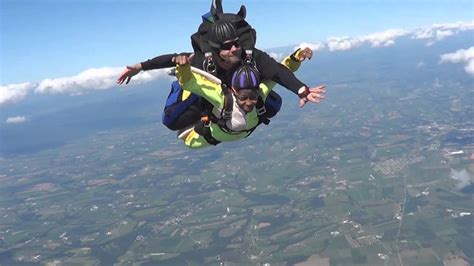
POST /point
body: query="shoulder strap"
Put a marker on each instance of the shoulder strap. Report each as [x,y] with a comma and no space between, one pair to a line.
[228,103]
[262,115]
[226,112]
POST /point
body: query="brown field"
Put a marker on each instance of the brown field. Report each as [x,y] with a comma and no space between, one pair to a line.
[314,260]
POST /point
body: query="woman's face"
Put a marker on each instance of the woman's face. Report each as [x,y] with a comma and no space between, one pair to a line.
[246,99]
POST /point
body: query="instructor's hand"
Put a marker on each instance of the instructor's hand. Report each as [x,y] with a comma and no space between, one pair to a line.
[128,73]
[316,95]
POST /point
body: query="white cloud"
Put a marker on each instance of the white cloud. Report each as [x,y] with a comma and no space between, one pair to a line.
[342,43]
[441,34]
[93,79]
[313,46]
[470,68]
[380,39]
[423,34]
[14,92]
[151,75]
[105,78]
[16,120]
[438,32]
[461,56]
[457,26]
[458,56]
[385,38]
[389,43]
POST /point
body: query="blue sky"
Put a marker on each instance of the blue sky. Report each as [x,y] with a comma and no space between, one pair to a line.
[51,39]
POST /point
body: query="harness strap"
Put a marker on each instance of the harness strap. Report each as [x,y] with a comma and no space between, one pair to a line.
[208,64]
[226,113]
[249,59]
[259,108]
[203,129]
[261,111]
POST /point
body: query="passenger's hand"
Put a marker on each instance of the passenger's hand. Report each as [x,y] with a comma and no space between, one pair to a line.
[183,68]
[305,53]
[316,95]
[128,73]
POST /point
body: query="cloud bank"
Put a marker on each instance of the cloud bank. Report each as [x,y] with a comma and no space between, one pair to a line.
[380,39]
[105,78]
[16,120]
[461,56]
[438,32]
[15,92]
[91,79]
[431,35]
[314,46]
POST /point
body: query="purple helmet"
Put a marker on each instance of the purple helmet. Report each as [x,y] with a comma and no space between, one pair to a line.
[246,77]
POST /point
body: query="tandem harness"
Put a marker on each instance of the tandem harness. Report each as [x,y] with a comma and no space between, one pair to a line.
[265,111]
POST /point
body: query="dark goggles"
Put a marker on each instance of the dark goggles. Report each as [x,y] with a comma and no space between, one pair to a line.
[228,45]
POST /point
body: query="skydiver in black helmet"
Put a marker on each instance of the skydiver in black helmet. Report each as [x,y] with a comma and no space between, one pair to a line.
[224,45]
[213,41]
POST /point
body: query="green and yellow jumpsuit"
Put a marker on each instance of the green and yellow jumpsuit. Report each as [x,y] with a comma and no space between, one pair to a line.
[212,92]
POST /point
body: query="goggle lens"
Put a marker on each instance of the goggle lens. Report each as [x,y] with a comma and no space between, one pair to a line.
[228,45]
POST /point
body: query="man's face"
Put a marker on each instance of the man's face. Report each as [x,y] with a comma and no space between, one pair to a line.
[246,99]
[230,52]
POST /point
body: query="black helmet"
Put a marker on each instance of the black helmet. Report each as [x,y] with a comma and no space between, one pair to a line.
[221,31]
[246,77]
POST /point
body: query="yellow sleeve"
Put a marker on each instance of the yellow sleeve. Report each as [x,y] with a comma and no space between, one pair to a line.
[200,85]
[290,63]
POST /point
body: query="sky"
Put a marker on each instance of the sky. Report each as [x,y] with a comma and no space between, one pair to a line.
[46,42]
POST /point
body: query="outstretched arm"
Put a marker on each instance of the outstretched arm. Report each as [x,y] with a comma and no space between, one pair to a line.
[290,64]
[162,61]
[293,63]
[272,70]
[198,81]
[316,94]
